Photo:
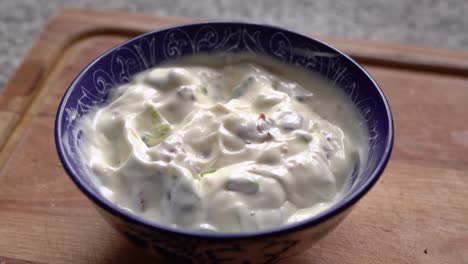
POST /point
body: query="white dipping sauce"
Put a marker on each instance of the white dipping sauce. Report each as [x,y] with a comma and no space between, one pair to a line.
[224,144]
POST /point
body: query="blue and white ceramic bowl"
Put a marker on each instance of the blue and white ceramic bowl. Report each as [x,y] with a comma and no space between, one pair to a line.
[116,66]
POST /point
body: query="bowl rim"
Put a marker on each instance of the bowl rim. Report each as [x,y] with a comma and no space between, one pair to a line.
[336,209]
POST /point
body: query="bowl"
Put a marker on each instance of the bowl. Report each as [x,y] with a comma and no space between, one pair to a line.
[116,66]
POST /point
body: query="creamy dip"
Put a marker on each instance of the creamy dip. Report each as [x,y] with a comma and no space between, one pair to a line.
[224,144]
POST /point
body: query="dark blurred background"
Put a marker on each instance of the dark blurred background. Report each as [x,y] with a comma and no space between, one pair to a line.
[438,24]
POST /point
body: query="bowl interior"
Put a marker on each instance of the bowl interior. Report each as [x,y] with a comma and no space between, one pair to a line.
[92,85]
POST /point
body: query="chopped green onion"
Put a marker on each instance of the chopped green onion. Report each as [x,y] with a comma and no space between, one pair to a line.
[240,89]
[204,90]
[303,97]
[246,186]
[276,85]
[315,126]
[154,114]
[305,138]
[207,172]
[157,135]
[159,129]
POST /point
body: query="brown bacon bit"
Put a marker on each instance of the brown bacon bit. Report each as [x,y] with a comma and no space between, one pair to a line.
[262,125]
[284,149]
[268,137]
[262,116]
[141,201]
[172,150]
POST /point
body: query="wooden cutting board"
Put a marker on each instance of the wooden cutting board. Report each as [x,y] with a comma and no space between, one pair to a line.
[416,213]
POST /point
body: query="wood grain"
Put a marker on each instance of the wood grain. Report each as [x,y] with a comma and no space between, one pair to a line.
[4,260]
[417,212]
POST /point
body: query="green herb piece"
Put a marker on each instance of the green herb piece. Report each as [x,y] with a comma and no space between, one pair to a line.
[276,85]
[305,138]
[204,90]
[59,165]
[303,97]
[154,114]
[207,172]
[246,186]
[299,98]
[159,128]
[238,218]
[157,135]
[315,126]
[240,89]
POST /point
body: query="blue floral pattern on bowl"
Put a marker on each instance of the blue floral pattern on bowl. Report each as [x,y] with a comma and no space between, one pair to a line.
[92,86]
